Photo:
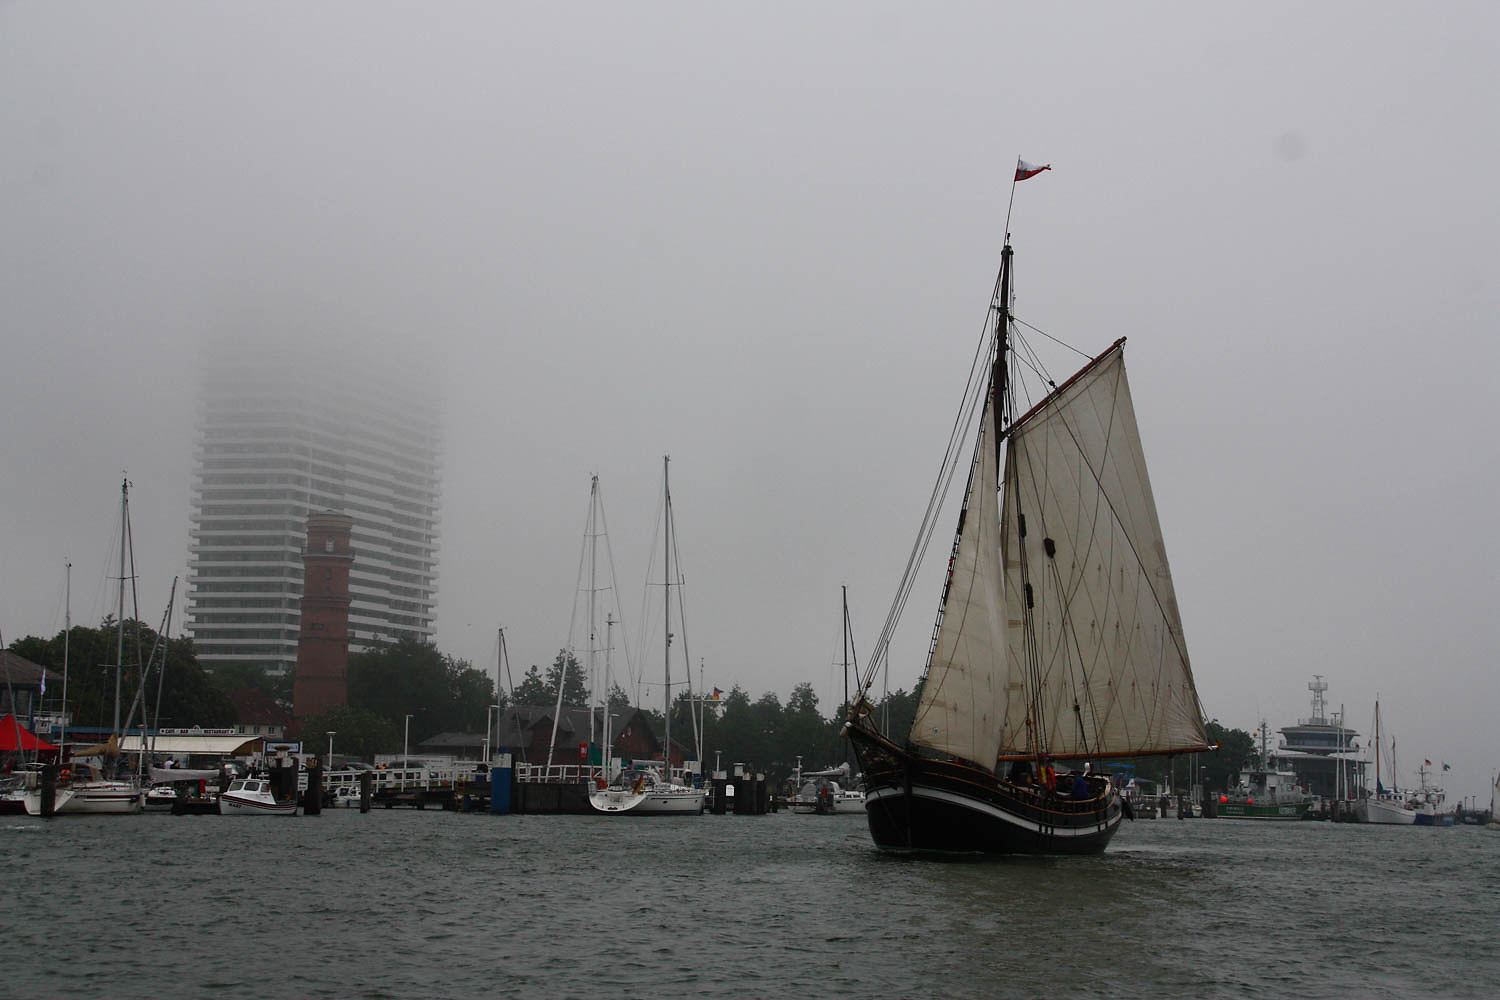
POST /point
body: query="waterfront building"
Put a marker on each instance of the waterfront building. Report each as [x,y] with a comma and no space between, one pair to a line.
[1318,749]
[287,430]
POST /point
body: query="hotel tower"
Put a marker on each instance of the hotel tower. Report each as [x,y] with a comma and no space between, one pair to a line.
[288,431]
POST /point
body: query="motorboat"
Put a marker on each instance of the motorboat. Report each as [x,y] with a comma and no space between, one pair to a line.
[253,797]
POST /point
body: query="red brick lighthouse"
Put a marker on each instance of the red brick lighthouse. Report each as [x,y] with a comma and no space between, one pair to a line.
[323,643]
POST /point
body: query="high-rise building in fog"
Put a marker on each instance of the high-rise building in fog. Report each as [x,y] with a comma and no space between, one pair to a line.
[285,432]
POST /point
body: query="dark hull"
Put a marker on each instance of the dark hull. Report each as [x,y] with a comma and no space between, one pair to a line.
[922,805]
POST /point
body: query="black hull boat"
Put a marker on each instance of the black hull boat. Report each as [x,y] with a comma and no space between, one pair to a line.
[945,807]
[1058,637]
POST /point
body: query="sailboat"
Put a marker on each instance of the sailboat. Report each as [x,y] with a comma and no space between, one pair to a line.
[1058,641]
[1494,820]
[82,785]
[1386,806]
[646,790]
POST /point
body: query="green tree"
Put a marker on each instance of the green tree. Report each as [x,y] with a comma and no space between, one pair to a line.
[413,677]
[1236,747]
[804,733]
[232,677]
[536,690]
[533,690]
[358,732]
[187,696]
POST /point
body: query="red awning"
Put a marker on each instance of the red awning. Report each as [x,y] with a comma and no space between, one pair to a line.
[14,736]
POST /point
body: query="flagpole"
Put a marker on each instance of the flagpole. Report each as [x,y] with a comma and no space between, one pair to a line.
[1010,204]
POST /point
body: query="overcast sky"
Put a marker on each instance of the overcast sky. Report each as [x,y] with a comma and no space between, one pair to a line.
[762,239]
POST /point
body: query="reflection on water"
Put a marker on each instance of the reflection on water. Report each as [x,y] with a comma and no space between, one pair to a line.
[405,904]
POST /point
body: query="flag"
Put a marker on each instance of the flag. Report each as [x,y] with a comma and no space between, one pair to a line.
[717,694]
[1445,765]
[1025,170]
[1427,762]
[44,682]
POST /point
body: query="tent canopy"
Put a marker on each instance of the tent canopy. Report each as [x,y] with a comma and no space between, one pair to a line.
[224,746]
[14,736]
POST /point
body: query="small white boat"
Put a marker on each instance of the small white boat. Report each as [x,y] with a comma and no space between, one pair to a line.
[826,792]
[642,792]
[160,798]
[252,797]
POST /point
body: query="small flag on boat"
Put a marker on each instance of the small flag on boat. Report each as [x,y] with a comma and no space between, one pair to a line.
[1427,762]
[717,694]
[1025,170]
[1445,765]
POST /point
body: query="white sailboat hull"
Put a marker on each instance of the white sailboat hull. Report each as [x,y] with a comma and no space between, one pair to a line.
[105,798]
[676,800]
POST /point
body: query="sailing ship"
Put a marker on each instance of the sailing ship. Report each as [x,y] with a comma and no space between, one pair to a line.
[1058,639]
[644,790]
[1494,820]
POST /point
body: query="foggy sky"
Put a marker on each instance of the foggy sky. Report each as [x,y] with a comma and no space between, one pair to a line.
[762,240]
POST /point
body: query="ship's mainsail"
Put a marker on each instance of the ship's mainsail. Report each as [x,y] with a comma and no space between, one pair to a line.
[1099,666]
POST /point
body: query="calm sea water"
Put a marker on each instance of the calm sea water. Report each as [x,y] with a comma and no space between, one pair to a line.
[399,904]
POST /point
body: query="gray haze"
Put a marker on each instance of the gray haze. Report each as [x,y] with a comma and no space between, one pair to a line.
[762,240]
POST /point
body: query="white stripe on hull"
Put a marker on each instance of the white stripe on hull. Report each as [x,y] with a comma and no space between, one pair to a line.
[974,805]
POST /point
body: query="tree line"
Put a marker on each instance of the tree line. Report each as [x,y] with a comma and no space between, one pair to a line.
[408,691]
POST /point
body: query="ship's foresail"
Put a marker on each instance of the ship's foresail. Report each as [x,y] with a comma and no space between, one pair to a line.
[1105,669]
[963,704]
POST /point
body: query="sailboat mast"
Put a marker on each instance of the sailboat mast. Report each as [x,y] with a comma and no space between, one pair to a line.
[593,594]
[67,637]
[120,621]
[999,378]
[609,644]
[666,493]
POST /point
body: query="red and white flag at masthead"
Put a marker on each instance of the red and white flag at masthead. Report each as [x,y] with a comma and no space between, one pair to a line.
[1025,170]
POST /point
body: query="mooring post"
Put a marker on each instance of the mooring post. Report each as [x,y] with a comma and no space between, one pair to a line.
[720,780]
[49,789]
[312,801]
[500,780]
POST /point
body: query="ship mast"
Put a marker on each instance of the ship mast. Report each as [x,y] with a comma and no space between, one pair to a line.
[666,493]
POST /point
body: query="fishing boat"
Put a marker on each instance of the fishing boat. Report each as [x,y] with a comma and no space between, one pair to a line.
[1058,638]
[1266,790]
[648,791]
[1385,806]
[1428,801]
[253,797]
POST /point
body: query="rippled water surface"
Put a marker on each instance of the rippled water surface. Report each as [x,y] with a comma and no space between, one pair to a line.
[399,904]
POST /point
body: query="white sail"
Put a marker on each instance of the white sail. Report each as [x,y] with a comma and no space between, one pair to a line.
[1107,669]
[963,698]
